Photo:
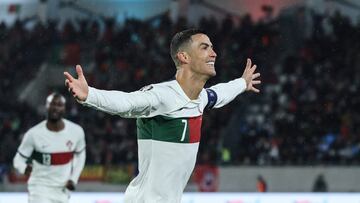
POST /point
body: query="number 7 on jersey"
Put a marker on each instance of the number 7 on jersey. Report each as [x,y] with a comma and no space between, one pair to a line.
[184,131]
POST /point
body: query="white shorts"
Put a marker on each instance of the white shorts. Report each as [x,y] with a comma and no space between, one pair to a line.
[48,194]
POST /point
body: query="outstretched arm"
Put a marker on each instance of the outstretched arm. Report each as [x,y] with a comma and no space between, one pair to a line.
[226,92]
[78,87]
[133,104]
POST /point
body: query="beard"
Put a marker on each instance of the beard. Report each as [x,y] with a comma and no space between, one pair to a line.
[54,117]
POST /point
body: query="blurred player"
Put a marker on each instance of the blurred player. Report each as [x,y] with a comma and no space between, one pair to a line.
[169,115]
[53,154]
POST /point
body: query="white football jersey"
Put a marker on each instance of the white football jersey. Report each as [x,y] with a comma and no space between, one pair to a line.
[52,154]
[168,129]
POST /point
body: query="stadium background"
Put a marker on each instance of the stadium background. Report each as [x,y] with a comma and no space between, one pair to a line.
[302,125]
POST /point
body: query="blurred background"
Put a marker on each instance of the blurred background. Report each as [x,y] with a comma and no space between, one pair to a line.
[298,135]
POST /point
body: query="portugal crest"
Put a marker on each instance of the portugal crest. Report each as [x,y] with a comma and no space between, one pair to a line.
[69,144]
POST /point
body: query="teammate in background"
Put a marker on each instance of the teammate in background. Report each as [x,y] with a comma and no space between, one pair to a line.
[169,115]
[53,154]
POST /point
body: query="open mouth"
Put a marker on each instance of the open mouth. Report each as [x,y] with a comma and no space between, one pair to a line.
[211,63]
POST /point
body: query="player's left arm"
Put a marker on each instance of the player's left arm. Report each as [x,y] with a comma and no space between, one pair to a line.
[78,162]
[223,93]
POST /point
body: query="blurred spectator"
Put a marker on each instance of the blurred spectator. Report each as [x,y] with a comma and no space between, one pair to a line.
[306,113]
[3,171]
[320,184]
[261,184]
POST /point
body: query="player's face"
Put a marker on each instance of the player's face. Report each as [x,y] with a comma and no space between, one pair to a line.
[202,55]
[56,109]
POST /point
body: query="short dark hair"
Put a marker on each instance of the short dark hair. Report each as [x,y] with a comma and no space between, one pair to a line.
[53,95]
[179,40]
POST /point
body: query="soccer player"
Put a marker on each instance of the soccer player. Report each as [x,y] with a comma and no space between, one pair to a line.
[53,154]
[169,115]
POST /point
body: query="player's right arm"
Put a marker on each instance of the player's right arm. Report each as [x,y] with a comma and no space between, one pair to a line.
[23,154]
[133,104]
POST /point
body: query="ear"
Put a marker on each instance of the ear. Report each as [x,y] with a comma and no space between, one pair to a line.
[183,57]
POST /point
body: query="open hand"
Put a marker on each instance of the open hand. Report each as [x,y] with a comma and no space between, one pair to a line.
[250,77]
[77,87]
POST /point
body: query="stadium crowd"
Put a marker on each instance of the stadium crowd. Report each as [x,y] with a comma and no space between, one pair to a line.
[305,114]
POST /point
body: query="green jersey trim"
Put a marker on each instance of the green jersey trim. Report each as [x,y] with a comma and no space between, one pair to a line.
[176,130]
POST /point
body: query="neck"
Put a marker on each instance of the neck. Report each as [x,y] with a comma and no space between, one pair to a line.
[55,125]
[190,83]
